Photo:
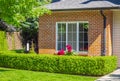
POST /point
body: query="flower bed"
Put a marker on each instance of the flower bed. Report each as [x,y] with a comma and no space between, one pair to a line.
[69,51]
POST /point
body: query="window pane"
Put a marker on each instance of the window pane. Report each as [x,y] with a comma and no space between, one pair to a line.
[85,30]
[85,27]
[81,46]
[70,43]
[85,46]
[74,27]
[63,28]
[75,36]
[72,35]
[85,36]
[74,46]
[69,36]
[80,26]
[69,28]
[81,36]
[59,28]
[61,45]
[63,36]
[61,33]
[59,37]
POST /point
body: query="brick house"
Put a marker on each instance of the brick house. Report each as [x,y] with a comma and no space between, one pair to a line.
[92,27]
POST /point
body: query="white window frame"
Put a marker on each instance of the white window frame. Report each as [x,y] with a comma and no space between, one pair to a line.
[77,22]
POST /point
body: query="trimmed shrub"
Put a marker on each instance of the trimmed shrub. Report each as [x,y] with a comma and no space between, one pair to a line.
[3,41]
[61,64]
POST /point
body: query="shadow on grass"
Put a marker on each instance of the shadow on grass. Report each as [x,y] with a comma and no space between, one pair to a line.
[18,51]
[4,70]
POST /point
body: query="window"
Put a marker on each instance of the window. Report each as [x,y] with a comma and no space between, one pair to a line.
[73,33]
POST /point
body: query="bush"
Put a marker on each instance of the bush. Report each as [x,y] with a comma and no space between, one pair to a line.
[61,64]
[3,41]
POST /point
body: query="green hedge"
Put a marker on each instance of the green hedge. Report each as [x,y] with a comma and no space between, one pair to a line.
[3,41]
[61,64]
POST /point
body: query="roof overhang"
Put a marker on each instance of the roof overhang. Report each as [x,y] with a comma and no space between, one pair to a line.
[78,9]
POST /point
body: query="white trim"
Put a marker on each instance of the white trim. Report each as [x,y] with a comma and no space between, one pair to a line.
[83,37]
[77,36]
[73,22]
[61,34]
[56,35]
[66,33]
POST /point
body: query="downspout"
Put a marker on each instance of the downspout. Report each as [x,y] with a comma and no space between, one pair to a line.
[104,33]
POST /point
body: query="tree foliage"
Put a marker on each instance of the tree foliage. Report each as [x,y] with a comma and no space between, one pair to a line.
[16,11]
[29,32]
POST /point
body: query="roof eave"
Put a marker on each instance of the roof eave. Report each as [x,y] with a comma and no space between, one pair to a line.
[76,9]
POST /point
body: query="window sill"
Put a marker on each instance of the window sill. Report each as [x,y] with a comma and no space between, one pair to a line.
[83,53]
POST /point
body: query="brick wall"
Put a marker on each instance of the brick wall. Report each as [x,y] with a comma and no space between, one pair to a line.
[47,29]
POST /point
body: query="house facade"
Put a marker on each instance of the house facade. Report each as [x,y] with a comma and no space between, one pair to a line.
[91,27]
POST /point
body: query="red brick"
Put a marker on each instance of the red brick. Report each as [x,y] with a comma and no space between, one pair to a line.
[47,33]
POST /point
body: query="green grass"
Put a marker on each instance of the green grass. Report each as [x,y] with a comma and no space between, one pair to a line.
[19,51]
[7,74]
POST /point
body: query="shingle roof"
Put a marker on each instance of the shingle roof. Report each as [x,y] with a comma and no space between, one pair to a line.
[83,4]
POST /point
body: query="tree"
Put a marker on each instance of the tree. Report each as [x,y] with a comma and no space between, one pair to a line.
[16,11]
[29,32]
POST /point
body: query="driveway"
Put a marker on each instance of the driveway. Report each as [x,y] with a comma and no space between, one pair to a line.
[114,76]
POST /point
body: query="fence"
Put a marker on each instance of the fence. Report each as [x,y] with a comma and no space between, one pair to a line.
[10,41]
[14,40]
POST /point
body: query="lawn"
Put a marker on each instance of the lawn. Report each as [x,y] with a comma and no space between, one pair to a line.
[20,51]
[7,74]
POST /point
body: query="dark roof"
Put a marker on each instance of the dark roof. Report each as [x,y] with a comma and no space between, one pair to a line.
[83,4]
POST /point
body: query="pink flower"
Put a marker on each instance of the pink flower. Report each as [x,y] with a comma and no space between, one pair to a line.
[69,48]
[61,52]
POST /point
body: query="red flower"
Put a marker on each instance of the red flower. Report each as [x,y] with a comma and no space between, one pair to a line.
[61,52]
[69,48]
